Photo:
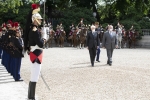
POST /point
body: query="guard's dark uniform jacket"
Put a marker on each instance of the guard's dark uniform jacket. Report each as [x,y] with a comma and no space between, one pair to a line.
[36,44]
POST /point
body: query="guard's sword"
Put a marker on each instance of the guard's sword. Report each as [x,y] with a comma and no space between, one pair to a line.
[45,82]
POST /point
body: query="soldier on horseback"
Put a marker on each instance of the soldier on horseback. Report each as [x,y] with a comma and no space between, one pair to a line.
[80,26]
[72,28]
[57,31]
[131,31]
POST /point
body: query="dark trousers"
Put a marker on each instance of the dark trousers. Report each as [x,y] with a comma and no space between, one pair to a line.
[0,53]
[16,69]
[98,53]
[92,52]
[3,58]
[8,62]
[109,55]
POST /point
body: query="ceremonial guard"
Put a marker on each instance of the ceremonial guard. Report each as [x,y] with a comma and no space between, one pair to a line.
[61,27]
[57,33]
[3,44]
[72,28]
[131,31]
[12,53]
[6,38]
[35,42]
[16,45]
[80,25]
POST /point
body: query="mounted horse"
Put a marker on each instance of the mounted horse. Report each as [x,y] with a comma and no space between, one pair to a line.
[70,36]
[125,37]
[61,38]
[133,38]
[82,37]
[51,38]
[75,39]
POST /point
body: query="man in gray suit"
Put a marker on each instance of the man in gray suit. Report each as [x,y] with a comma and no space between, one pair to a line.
[92,43]
[110,43]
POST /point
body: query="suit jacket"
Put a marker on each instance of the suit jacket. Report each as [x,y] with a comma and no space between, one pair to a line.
[92,40]
[109,42]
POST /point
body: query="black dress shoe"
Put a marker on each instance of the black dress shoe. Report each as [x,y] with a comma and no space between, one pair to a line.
[93,64]
[97,60]
[19,80]
[110,64]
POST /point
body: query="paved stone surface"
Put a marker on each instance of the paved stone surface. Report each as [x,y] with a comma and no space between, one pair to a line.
[70,76]
[9,89]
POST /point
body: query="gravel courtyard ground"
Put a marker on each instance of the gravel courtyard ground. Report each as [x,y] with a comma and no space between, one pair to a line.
[70,76]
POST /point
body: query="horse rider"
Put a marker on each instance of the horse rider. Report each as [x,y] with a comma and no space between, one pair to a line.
[72,28]
[80,26]
[57,31]
[131,31]
[61,29]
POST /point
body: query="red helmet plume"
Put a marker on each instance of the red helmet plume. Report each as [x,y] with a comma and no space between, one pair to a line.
[35,6]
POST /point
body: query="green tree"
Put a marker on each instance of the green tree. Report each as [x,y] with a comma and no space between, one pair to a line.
[74,15]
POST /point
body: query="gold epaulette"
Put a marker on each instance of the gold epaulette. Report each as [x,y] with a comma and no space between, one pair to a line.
[34,28]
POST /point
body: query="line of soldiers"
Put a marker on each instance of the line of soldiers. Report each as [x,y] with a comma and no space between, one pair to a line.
[11,48]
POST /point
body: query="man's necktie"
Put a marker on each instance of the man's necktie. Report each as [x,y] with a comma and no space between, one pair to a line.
[111,34]
[93,33]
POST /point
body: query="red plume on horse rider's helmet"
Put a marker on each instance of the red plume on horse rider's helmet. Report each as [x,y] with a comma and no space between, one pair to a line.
[35,6]
[16,24]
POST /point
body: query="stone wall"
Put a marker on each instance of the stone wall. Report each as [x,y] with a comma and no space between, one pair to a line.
[145,41]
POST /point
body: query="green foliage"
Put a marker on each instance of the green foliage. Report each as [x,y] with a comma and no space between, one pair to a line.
[74,15]
[128,23]
[19,17]
[6,5]
[144,23]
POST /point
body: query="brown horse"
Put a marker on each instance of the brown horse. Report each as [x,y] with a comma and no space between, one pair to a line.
[82,38]
[133,39]
[70,40]
[75,39]
[61,38]
[51,38]
[125,36]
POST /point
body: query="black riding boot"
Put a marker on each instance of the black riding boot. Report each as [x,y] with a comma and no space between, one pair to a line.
[31,90]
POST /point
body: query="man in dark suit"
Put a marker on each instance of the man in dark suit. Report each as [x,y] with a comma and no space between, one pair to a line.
[109,42]
[92,43]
